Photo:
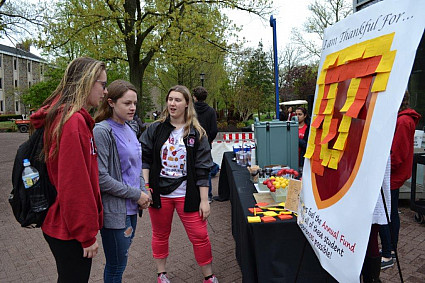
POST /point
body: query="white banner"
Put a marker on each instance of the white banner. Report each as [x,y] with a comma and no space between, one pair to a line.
[363,74]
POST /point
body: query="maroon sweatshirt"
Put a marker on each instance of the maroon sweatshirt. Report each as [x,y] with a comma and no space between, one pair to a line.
[402,147]
[77,213]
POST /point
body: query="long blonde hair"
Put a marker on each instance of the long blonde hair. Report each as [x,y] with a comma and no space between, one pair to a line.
[116,90]
[190,116]
[69,97]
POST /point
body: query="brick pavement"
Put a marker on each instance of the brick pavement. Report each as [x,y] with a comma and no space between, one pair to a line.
[25,256]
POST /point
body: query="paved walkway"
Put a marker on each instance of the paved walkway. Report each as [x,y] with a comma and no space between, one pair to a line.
[25,256]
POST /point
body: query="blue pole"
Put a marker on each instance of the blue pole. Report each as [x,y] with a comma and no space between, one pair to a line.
[276,70]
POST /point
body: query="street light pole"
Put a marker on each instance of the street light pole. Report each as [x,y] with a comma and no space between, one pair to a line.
[202,79]
[276,70]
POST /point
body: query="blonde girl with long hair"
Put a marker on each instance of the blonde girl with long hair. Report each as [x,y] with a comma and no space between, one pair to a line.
[74,219]
[176,163]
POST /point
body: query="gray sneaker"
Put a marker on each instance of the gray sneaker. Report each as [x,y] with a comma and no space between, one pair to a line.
[386,264]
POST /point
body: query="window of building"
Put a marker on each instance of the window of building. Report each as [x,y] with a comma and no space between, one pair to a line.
[1,83]
[1,106]
[29,84]
[17,106]
[41,69]
[1,59]
[15,64]
[16,83]
[29,67]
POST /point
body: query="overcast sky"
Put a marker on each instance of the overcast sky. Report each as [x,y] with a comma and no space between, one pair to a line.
[288,14]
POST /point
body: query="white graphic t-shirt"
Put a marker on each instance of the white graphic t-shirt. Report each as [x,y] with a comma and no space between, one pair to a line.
[173,160]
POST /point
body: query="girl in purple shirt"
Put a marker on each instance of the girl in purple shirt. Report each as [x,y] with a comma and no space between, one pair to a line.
[120,175]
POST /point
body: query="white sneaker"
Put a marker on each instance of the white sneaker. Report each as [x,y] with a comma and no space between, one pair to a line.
[213,279]
[163,278]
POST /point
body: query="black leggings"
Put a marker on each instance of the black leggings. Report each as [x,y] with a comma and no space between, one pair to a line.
[71,265]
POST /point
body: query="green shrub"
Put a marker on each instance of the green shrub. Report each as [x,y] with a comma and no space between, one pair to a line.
[7,117]
[222,125]
[240,125]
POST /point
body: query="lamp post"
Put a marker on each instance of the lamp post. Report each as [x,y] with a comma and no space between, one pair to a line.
[276,70]
[202,78]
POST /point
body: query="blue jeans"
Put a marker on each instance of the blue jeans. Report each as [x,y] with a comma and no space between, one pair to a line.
[389,233]
[116,243]
[214,170]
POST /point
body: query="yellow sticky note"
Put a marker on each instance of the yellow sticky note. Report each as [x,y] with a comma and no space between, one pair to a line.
[340,141]
[309,151]
[269,213]
[342,55]
[344,126]
[285,212]
[330,106]
[353,87]
[386,63]
[348,102]
[322,76]
[333,88]
[275,209]
[378,46]
[326,125]
[355,52]
[320,94]
[323,149]
[312,136]
[380,83]
[326,154]
[254,219]
[330,60]
[333,162]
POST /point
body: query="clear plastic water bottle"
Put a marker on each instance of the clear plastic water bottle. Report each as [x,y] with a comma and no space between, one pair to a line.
[30,177]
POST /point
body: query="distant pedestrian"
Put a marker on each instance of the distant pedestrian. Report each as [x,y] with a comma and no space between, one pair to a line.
[176,161]
[208,119]
[290,113]
[74,219]
[303,130]
[282,114]
[155,115]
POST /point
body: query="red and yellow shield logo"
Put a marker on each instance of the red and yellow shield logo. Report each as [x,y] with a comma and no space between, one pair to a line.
[349,83]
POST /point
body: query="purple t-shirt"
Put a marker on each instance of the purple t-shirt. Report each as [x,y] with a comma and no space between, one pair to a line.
[130,153]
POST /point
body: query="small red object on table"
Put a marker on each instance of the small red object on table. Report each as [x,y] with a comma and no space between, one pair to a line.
[257,209]
[267,219]
[284,216]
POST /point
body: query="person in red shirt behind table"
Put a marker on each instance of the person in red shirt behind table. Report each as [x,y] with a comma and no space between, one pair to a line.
[401,170]
[303,128]
[74,219]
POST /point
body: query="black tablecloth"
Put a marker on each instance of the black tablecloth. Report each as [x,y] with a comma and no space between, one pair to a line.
[266,252]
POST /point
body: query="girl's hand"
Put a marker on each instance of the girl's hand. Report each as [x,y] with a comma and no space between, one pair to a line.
[144,200]
[204,209]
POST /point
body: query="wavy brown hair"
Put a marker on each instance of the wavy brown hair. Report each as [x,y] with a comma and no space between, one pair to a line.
[190,116]
[405,102]
[116,90]
[69,97]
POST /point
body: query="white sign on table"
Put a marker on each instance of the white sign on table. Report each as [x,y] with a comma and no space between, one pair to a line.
[363,73]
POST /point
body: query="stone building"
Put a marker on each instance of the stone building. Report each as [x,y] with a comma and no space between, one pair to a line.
[19,69]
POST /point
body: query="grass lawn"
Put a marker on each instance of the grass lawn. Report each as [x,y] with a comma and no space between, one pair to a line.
[8,126]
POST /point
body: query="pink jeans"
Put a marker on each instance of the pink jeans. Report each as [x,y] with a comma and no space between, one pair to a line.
[196,230]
